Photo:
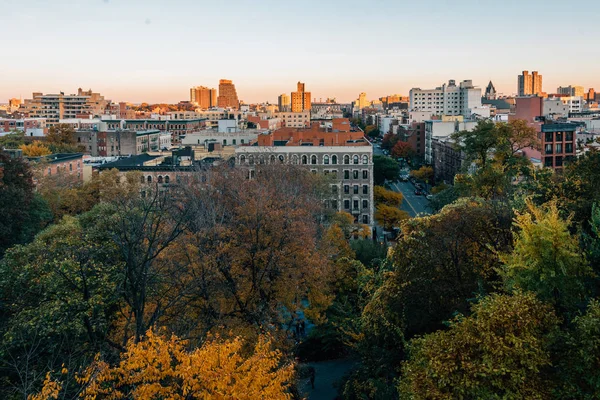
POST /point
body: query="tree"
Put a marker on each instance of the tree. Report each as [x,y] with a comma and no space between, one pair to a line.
[387,197]
[478,143]
[389,140]
[546,258]
[61,139]
[384,168]
[402,150]
[23,212]
[389,216]
[371,130]
[35,149]
[500,351]
[161,367]
[12,140]
[424,174]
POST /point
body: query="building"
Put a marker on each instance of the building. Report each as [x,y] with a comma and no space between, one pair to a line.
[558,143]
[591,95]
[530,84]
[29,126]
[554,108]
[176,127]
[413,134]
[300,99]
[447,99]
[341,153]
[54,107]
[443,129]
[227,95]
[115,143]
[490,92]
[574,103]
[448,159]
[203,97]
[284,104]
[577,91]
[67,164]
[294,119]
[224,139]
[14,105]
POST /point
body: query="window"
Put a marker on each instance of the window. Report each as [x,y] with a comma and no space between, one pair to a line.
[355,174]
[70,167]
[346,189]
[334,159]
[355,205]
[334,204]
[234,141]
[167,179]
[304,160]
[569,136]
[346,204]
[326,160]
[558,148]
[242,159]
[313,160]
[334,189]
[365,189]
[346,174]
[568,147]
[365,174]
[346,159]
[365,203]
[549,137]
[355,159]
[548,162]
[559,136]
[160,179]
[149,179]
[355,189]
[281,158]
[365,159]
[334,173]
[251,160]
[261,159]
[548,148]
[365,219]
[295,159]
[559,161]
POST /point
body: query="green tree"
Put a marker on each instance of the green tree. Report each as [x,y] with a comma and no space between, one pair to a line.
[384,168]
[13,140]
[61,139]
[546,259]
[499,352]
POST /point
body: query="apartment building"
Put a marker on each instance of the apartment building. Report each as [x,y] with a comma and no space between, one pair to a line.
[294,119]
[203,97]
[54,107]
[284,104]
[228,97]
[577,91]
[300,99]
[338,152]
[122,142]
[29,126]
[529,84]
[448,99]
[442,129]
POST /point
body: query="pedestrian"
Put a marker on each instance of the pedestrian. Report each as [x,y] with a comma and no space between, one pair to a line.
[311,374]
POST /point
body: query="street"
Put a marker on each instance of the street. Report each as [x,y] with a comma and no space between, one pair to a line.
[412,203]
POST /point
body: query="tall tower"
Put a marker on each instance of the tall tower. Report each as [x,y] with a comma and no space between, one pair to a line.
[301,99]
[530,84]
[227,95]
[203,97]
[536,84]
[284,103]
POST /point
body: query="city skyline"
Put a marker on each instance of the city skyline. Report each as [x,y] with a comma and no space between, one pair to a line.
[155,53]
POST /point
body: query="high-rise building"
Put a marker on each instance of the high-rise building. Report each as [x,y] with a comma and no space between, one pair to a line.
[447,99]
[530,84]
[591,95]
[301,99]
[203,97]
[284,103]
[571,90]
[227,95]
[362,101]
[55,107]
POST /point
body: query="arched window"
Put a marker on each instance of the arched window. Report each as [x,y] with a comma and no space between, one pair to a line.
[251,159]
[160,179]
[355,159]
[272,159]
[313,159]
[304,160]
[295,159]
[149,178]
[326,159]
[365,159]
[142,179]
[334,159]
[167,179]
[281,158]
[261,159]
[242,159]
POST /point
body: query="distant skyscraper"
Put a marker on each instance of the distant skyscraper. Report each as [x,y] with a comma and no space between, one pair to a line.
[530,84]
[591,95]
[490,91]
[227,95]
[203,97]
[301,99]
[362,101]
[571,90]
[284,103]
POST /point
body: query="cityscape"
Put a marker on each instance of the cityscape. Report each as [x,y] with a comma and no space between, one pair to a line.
[396,230]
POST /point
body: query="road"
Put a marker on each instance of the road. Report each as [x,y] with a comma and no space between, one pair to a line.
[412,203]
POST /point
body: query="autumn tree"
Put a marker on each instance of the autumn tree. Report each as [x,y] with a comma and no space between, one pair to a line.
[388,197]
[389,140]
[61,139]
[424,174]
[35,149]
[389,216]
[500,351]
[402,150]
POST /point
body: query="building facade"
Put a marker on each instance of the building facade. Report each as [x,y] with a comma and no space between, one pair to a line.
[283,103]
[54,107]
[447,99]
[203,97]
[577,91]
[294,119]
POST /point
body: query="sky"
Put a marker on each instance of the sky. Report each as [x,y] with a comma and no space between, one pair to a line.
[154,51]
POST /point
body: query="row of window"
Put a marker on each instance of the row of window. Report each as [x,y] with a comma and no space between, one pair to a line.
[333,204]
[307,160]
[355,189]
[558,147]
[558,136]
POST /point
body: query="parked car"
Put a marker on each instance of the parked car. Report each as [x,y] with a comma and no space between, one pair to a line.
[404,178]
[429,197]
[418,192]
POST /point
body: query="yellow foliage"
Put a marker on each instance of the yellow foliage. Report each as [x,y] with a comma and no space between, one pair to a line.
[387,197]
[162,368]
[50,390]
[390,217]
[35,149]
